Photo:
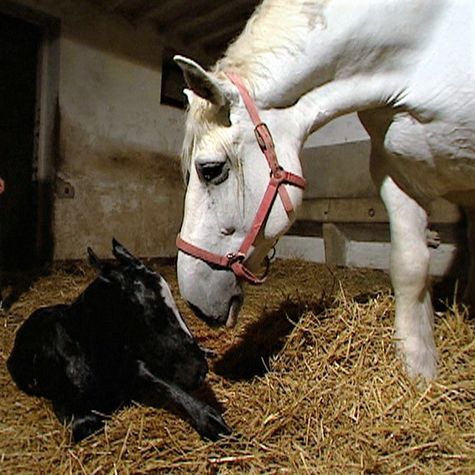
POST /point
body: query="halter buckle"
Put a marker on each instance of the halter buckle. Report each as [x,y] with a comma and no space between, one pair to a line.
[278,174]
[263,137]
[234,257]
[235,260]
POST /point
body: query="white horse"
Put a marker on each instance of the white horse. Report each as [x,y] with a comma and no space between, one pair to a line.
[407,68]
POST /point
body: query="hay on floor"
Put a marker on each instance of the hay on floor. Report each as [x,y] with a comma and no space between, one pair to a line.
[309,381]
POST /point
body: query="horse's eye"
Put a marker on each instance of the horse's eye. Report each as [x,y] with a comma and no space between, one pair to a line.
[213,172]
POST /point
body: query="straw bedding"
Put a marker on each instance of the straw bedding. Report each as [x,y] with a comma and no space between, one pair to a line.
[308,379]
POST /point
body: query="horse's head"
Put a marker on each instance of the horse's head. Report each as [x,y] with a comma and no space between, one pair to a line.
[227,177]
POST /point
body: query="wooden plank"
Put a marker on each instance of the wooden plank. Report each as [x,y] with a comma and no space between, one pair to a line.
[114,5]
[164,10]
[198,19]
[226,31]
[367,210]
[336,245]
[110,5]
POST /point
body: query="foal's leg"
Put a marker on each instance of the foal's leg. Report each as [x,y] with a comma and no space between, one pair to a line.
[409,275]
[207,420]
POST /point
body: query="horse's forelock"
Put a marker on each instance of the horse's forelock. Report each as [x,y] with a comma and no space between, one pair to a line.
[196,125]
[202,117]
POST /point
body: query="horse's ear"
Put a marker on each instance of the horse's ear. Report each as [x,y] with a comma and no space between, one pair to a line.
[201,82]
[189,95]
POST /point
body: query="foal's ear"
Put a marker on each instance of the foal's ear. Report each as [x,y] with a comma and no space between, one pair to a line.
[94,260]
[201,82]
[122,254]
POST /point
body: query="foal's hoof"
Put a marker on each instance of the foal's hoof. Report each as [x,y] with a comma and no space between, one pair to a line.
[211,425]
[85,426]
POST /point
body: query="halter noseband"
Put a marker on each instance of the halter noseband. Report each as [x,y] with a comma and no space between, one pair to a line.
[278,176]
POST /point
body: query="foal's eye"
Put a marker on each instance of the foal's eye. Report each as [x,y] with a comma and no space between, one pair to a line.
[213,172]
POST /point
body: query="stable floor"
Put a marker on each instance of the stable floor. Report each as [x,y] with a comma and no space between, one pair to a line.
[308,380]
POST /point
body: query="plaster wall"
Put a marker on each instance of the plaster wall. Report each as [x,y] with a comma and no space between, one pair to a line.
[335,161]
[117,166]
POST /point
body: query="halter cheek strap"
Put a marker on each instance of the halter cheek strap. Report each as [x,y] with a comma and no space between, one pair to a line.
[278,176]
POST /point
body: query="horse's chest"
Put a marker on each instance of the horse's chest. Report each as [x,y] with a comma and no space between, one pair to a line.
[429,159]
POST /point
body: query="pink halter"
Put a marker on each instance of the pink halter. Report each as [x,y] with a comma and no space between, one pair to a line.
[278,176]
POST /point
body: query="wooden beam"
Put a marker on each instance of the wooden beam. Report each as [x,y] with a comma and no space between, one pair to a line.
[228,33]
[163,12]
[175,43]
[194,21]
[367,210]
[336,245]
[111,5]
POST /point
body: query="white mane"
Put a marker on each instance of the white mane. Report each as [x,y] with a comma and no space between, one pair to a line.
[275,26]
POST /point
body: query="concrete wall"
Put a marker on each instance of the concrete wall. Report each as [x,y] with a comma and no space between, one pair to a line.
[343,221]
[117,168]
[335,161]
[117,171]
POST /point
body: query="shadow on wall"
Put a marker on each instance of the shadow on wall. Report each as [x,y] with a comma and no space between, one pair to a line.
[83,151]
[114,189]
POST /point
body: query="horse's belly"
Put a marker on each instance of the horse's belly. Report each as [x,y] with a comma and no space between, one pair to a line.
[432,159]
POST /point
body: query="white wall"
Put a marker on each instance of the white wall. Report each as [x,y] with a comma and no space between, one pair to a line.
[344,129]
[335,161]
[118,146]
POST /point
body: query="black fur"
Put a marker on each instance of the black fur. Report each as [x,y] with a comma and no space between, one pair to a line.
[116,343]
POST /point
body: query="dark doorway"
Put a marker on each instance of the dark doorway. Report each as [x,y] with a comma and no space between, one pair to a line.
[19,46]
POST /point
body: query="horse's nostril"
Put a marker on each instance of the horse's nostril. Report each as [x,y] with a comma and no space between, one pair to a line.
[228,231]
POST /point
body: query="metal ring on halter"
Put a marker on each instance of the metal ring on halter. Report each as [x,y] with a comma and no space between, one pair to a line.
[267,263]
[273,251]
[235,257]
[278,174]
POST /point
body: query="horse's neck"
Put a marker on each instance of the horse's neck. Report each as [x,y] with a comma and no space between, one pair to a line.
[348,40]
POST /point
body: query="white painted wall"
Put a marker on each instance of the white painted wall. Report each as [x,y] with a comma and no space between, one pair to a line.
[118,146]
[344,129]
[335,161]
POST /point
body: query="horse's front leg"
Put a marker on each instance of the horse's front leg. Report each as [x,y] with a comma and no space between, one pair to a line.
[410,279]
